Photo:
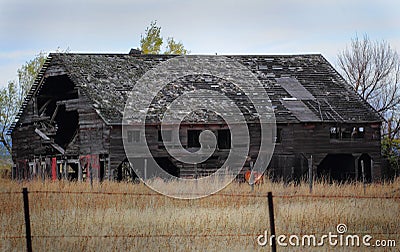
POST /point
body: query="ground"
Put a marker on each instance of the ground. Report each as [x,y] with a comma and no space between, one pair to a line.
[71,216]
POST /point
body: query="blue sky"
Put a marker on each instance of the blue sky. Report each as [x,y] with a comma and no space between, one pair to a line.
[204,27]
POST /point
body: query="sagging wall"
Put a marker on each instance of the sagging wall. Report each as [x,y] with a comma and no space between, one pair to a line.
[345,149]
[295,145]
[60,123]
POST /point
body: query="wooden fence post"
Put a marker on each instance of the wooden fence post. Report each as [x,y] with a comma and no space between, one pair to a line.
[27,220]
[272,222]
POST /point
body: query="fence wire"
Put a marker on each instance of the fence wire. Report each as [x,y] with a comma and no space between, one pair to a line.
[135,194]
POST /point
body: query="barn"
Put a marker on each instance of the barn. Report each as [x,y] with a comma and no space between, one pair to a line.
[70,124]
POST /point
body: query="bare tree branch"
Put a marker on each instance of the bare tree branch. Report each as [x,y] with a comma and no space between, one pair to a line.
[373,70]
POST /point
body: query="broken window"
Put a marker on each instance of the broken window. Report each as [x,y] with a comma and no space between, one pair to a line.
[166,136]
[344,133]
[224,139]
[335,133]
[360,132]
[193,138]
[133,136]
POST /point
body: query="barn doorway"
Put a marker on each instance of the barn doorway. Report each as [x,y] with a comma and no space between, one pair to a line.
[166,164]
[337,167]
[366,160]
[125,172]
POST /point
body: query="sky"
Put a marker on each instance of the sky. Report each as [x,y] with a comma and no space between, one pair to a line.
[204,27]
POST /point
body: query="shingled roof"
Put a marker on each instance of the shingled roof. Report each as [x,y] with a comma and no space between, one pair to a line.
[302,88]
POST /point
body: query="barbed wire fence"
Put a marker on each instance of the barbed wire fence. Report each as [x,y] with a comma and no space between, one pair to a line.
[29,234]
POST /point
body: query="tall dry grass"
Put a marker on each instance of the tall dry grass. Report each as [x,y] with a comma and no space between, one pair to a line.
[103,218]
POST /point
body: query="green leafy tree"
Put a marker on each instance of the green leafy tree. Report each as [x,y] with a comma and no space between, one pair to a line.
[9,99]
[391,150]
[13,95]
[152,42]
[175,47]
[27,74]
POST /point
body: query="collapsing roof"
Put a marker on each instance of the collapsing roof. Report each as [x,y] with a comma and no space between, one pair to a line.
[302,88]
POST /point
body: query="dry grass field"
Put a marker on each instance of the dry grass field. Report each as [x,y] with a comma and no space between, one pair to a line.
[130,217]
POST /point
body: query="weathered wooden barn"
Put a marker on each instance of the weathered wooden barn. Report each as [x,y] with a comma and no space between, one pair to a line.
[70,123]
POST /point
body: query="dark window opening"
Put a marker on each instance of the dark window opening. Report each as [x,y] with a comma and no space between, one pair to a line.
[358,132]
[133,136]
[67,125]
[335,133]
[193,138]
[278,137]
[347,133]
[167,136]
[224,139]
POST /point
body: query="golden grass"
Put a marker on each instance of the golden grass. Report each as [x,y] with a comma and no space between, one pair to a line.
[220,222]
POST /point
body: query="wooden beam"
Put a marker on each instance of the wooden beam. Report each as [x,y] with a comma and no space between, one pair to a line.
[46,138]
[41,110]
[42,135]
[54,114]
[58,147]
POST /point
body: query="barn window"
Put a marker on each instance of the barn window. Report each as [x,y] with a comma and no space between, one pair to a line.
[358,132]
[167,136]
[344,133]
[133,136]
[224,139]
[335,133]
[193,138]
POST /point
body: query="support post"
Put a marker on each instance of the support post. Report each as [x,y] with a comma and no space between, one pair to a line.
[145,169]
[58,170]
[109,168]
[310,173]
[251,179]
[80,176]
[91,174]
[372,170]
[65,170]
[363,174]
[27,220]
[356,168]
[272,222]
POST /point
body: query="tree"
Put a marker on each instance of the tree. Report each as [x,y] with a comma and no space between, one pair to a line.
[8,109]
[152,41]
[13,95]
[175,47]
[373,70]
[391,150]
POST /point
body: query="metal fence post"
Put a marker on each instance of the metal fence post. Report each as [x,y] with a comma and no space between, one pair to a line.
[27,220]
[272,222]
